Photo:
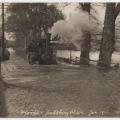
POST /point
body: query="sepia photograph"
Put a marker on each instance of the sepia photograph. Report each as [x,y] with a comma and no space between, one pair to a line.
[59,59]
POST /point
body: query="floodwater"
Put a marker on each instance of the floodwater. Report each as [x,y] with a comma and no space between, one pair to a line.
[93,55]
[59,90]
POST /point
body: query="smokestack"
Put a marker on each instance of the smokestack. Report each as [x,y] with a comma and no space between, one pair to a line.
[48,36]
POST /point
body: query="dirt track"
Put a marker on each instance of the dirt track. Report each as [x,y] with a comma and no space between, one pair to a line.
[50,91]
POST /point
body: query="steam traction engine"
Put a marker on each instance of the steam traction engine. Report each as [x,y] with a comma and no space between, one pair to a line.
[46,53]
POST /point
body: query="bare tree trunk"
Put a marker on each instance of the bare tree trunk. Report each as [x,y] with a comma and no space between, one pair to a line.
[108,38]
[85,49]
[3,110]
[85,46]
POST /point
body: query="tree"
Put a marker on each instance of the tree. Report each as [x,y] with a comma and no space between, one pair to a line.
[85,46]
[18,21]
[108,36]
[3,110]
[30,19]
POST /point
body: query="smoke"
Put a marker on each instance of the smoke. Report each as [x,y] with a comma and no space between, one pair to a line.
[72,29]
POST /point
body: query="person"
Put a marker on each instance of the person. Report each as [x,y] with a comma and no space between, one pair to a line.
[29,48]
[32,52]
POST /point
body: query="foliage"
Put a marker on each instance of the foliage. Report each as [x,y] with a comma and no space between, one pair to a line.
[31,18]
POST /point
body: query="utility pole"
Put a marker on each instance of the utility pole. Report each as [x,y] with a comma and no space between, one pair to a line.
[3,33]
[2,45]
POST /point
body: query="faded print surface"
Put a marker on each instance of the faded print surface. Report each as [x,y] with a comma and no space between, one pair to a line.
[48,80]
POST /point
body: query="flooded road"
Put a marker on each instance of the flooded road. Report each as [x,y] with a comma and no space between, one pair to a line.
[59,90]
